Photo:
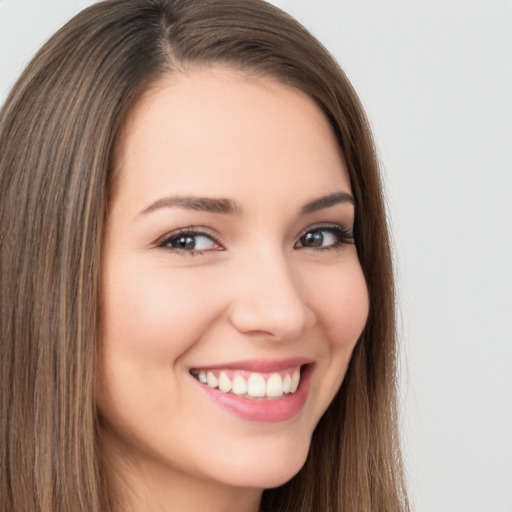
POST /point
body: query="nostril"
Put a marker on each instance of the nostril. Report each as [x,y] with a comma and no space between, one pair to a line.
[275,322]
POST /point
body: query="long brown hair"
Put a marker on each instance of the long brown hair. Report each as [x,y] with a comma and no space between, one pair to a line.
[58,133]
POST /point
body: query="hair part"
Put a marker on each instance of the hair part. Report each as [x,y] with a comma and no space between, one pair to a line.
[59,131]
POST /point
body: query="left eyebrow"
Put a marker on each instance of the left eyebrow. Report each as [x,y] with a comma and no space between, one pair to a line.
[327,201]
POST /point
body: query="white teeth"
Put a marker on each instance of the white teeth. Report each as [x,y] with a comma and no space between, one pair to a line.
[224,383]
[295,381]
[211,380]
[256,385]
[287,381]
[239,385]
[275,385]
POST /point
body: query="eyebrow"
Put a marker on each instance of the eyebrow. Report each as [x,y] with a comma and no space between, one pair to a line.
[327,201]
[227,206]
[203,204]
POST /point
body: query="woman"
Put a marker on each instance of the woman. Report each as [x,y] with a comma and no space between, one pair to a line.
[196,293]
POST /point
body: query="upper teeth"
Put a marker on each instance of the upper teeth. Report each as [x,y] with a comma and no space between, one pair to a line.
[251,384]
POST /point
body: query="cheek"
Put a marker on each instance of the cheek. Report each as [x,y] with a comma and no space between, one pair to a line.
[152,317]
[341,303]
[155,313]
[342,307]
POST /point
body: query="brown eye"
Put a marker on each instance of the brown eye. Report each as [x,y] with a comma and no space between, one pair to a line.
[312,239]
[189,242]
[325,237]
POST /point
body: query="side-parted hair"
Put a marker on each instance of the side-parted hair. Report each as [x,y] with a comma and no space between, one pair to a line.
[58,134]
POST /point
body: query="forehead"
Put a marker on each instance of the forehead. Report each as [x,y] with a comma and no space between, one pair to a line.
[217,128]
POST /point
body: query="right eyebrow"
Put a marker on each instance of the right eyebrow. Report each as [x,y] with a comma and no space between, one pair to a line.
[203,204]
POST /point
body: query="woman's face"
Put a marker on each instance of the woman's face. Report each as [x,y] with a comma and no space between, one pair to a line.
[228,263]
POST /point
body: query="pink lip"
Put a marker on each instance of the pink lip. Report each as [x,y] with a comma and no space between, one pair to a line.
[264,410]
[260,365]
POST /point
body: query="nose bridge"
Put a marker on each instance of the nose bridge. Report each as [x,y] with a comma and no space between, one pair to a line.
[270,298]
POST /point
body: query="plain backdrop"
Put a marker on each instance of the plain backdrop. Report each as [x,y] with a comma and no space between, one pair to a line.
[435,77]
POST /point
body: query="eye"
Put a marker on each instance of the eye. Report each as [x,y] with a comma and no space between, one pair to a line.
[191,242]
[325,237]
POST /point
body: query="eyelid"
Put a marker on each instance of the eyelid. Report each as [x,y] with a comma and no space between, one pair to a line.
[345,234]
[189,230]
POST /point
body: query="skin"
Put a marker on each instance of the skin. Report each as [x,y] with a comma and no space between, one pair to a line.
[252,291]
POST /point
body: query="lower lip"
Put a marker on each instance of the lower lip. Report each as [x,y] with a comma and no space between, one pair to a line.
[264,411]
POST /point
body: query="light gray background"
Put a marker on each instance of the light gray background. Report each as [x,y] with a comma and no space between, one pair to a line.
[436,79]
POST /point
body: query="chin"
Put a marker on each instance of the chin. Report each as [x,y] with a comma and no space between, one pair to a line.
[266,468]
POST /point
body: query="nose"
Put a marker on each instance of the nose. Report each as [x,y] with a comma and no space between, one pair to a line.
[270,300]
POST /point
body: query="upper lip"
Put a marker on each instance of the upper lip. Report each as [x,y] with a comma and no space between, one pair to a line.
[259,365]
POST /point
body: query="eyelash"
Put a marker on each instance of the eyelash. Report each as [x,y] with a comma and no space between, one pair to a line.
[343,237]
[166,242]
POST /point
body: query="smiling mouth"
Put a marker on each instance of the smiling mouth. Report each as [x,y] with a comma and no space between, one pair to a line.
[251,385]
